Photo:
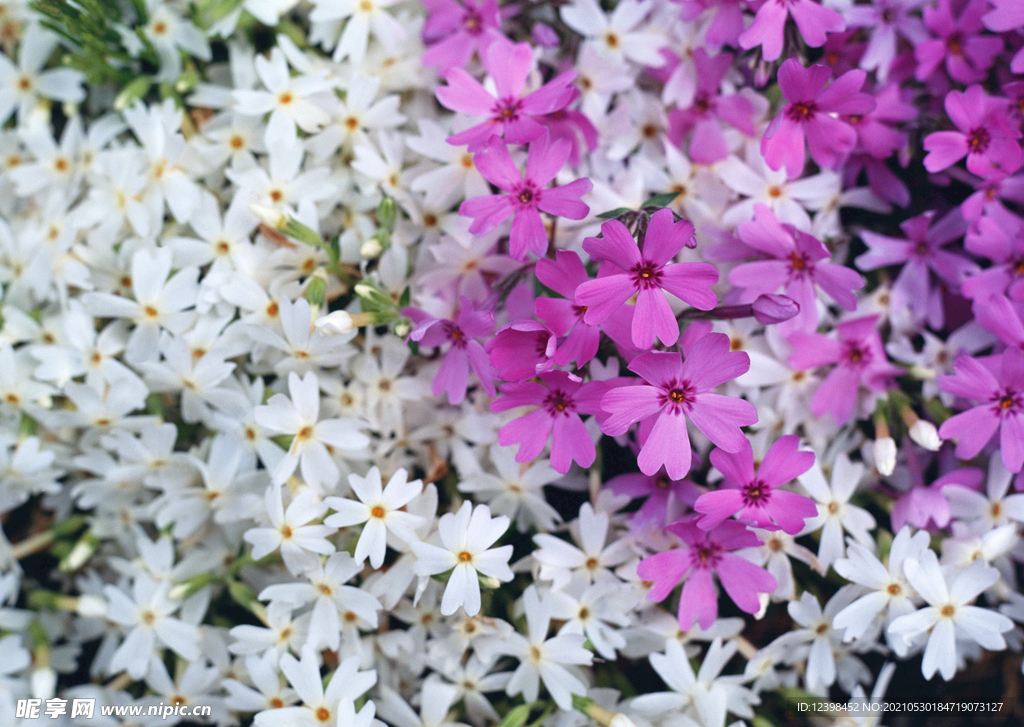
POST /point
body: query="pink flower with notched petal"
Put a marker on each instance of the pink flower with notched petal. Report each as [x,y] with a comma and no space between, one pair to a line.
[454,31]
[559,400]
[799,265]
[1002,409]
[812,20]
[507,114]
[526,197]
[754,498]
[562,315]
[648,274]
[678,389]
[812,100]
[468,324]
[984,135]
[958,42]
[702,554]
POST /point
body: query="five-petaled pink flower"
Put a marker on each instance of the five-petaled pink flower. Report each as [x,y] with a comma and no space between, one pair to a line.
[812,20]
[754,498]
[702,553]
[454,31]
[1002,395]
[984,136]
[627,270]
[812,100]
[525,197]
[677,389]
[559,401]
[508,114]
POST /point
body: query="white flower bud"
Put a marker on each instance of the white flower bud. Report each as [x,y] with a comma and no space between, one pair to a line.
[337,322]
[269,216]
[371,248]
[885,455]
[621,720]
[91,606]
[925,434]
[43,682]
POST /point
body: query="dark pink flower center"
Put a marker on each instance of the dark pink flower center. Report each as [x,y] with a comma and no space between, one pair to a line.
[702,104]
[756,494]
[799,264]
[678,396]
[456,336]
[647,275]
[978,140]
[558,403]
[706,555]
[473,23]
[579,310]
[1008,402]
[507,109]
[527,195]
[801,111]
[857,355]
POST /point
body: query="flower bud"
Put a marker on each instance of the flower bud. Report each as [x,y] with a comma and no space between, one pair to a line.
[924,433]
[337,322]
[269,216]
[770,309]
[621,720]
[885,455]
[544,35]
[371,248]
[91,606]
[43,682]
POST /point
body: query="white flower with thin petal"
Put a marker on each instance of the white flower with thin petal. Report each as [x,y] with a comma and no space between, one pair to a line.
[291,532]
[387,390]
[889,589]
[298,416]
[594,610]
[362,17]
[436,698]
[620,36]
[544,659]
[558,559]
[835,513]
[380,508]
[466,537]
[995,507]
[515,491]
[949,615]
[21,86]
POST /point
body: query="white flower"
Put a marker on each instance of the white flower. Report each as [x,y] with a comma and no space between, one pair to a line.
[991,510]
[466,536]
[291,532]
[835,513]
[514,492]
[558,559]
[949,616]
[21,86]
[380,509]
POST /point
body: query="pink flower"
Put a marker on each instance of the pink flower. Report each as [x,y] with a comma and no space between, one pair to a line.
[521,350]
[559,402]
[859,358]
[453,31]
[754,498]
[628,271]
[1005,248]
[563,316]
[1002,408]
[958,42]
[813,21]
[702,554]
[507,114]
[525,197]
[807,115]
[984,136]
[661,496]
[798,266]
[726,21]
[678,389]
[453,375]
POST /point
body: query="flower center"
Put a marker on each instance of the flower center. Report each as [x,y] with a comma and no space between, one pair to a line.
[798,263]
[894,589]
[756,494]
[507,109]
[557,402]
[948,610]
[465,556]
[526,196]
[473,23]
[377,511]
[801,111]
[978,140]
[647,275]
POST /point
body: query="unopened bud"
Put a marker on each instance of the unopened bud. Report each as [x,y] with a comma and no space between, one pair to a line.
[91,606]
[371,248]
[43,682]
[544,35]
[316,291]
[884,451]
[386,213]
[924,433]
[770,309]
[269,216]
[621,720]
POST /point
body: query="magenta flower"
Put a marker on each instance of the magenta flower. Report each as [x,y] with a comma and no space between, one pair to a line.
[677,389]
[525,197]
[1007,15]
[628,271]
[958,42]
[859,359]
[662,496]
[521,350]
[726,21]
[984,136]
[507,114]
[709,109]
[754,498]
[920,253]
[812,20]
[469,324]
[559,402]
[1005,248]
[1002,409]
[562,315]
[807,116]
[702,554]
[886,20]
[453,31]
[798,266]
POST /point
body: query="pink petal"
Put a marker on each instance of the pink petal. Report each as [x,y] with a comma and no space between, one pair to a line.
[743,580]
[717,506]
[698,600]
[615,245]
[691,283]
[720,418]
[667,445]
[653,317]
[665,570]
[974,428]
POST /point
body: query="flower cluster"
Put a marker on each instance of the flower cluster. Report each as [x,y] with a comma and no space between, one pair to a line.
[426,364]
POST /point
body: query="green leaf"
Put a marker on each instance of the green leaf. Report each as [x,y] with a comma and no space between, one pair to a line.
[612,214]
[516,717]
[661,200]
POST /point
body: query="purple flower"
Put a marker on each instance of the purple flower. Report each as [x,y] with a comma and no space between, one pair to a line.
[958,42]
[559,402]
[522,349]
[469,324]
[1003,247]
[563,316]
[678,389]
[807,116]
[984,136]
[525,197]
[813,21]
[726,21]
[628,271]
[798,266]
[1002,409]
[454,31]
[886,21]
[507,114]
[702,554]
[859,358]
[662,496]
[753,497]
[920,253]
